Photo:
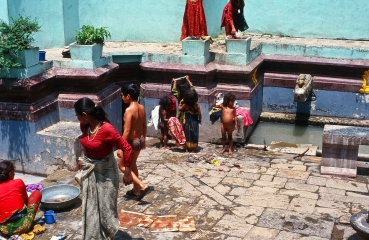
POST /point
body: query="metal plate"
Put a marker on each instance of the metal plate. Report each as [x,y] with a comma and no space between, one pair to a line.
[59,196]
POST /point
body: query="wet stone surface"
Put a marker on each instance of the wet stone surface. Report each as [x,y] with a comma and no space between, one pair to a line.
[252,194]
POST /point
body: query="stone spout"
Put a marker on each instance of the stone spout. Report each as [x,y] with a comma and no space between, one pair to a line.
[303,87]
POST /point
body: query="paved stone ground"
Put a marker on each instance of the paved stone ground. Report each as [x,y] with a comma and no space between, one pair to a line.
[253,194]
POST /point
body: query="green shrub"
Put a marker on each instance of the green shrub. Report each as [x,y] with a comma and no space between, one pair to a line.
[89,35]
[14,38]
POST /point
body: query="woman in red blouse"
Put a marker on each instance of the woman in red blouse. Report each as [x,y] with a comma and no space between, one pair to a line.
[17,210]
[194,21]
[233,18]
[100,175]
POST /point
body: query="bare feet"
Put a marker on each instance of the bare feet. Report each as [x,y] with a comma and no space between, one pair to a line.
[223,150]
[230,151]
[165,147]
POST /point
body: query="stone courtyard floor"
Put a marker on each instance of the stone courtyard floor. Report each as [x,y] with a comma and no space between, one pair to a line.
[253,194]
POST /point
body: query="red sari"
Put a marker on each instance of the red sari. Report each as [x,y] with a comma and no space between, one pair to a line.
[229,18]
[194,21]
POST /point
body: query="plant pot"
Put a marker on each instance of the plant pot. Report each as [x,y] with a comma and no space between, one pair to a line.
[86,52]
[238,45]
[195,47]
[28,57]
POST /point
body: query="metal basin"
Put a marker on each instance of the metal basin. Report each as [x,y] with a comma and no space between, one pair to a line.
[59,196]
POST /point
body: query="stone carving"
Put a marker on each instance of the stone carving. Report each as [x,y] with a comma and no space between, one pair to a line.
[303,87]
[365,87]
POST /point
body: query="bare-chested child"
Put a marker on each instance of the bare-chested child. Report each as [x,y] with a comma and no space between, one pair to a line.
[229,117]
[135,134]
[165,104]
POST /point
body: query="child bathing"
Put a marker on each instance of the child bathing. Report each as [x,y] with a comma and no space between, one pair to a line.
[228,118]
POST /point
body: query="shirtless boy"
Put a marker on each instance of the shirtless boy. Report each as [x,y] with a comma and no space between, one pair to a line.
[135,134]
[229,117]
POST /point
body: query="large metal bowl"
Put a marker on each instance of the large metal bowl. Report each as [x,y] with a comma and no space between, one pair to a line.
[59,196]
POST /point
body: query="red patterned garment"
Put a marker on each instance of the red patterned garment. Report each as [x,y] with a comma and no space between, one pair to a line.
[194,21]
[176,131]
[229,15]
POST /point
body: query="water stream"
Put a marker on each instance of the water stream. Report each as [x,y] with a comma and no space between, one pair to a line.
[290,133]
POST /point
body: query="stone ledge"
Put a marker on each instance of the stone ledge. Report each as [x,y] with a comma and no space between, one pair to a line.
[310,120]
[319,82]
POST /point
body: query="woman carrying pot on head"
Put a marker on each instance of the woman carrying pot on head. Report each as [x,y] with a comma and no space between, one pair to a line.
[100,176]
[17,210]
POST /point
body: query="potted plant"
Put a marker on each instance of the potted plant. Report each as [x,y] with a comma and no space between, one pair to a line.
[89,43]
[15,43]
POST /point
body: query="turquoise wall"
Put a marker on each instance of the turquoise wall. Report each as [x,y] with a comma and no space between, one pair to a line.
[161,20]
[49,15]
[4,10]
[309,18]
[146,21]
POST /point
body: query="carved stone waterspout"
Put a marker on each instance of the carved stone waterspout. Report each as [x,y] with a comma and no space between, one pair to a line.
[304,84]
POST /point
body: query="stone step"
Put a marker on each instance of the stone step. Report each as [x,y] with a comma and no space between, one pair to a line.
[59,148]
[62,130]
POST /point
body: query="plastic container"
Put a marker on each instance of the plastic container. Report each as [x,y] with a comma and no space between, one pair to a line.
[42,55]
[50,217]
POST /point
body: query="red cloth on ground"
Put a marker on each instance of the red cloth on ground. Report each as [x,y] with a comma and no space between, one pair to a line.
[247,120]
[227,17]
[194,21]
[102,144]
[176,131]
[13,196]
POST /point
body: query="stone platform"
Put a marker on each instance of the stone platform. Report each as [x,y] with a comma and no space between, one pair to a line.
[252,195]
[30,105]
[341,147]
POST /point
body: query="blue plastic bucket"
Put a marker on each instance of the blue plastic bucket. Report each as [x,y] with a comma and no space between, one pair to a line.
[50,217]
[42,55]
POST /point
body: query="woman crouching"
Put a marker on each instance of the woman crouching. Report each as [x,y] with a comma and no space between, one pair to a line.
[17,210]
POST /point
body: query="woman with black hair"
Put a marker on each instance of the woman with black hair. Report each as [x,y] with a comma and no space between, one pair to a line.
[17,210]
[192,112]
[100,176]
[178,89]
[233,19]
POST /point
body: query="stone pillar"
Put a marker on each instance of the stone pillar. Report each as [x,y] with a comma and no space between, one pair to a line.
[195,50]
[238,51]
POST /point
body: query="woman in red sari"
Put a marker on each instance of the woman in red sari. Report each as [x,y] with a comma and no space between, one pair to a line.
[194,21]
[233,18]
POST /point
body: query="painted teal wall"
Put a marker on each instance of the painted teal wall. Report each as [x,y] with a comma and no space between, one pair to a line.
[49,15]
[146,21]
[161,20]
[71,20]
[4,10]
[309,18]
